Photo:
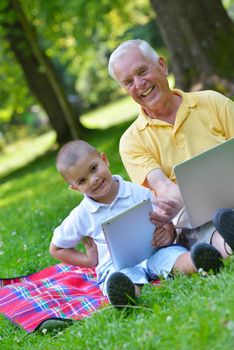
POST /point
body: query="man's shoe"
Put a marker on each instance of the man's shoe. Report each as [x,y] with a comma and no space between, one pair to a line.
[223,220]
[120,290]
[206,257]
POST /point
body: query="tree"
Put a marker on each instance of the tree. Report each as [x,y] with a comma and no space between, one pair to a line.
[82,34]
[76,38]
[39,71]
[199,36]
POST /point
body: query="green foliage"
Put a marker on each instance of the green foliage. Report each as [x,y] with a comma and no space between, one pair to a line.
[180,314]
[14,92]
[83,34]
[78,36]
[229,6]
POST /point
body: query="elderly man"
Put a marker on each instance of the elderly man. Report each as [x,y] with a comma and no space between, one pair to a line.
[172,126]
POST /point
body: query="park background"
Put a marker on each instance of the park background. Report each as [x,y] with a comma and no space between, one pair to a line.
[55,87]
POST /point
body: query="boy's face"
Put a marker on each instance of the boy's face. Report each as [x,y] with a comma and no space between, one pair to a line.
[91,176]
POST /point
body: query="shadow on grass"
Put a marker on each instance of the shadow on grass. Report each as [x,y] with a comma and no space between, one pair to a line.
[111,134]
[106,140]
[42,162]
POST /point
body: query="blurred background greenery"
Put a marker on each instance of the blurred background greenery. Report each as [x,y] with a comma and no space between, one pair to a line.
[54,56]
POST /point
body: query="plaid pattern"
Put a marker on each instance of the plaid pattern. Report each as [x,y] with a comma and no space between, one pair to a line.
[60,291]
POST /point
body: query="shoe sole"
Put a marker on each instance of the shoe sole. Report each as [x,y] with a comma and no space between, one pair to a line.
[120,290]
[223,221]
[207,257]
[54,324]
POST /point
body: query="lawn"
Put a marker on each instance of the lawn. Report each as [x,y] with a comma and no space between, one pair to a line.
[184,313]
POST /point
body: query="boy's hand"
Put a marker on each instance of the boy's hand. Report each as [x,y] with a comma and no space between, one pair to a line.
[164,235]
[91,251]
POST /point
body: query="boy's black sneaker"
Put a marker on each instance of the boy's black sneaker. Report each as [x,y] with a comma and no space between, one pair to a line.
[120,290]
[206,257]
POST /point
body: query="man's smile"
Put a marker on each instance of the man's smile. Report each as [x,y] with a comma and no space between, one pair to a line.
[148,91]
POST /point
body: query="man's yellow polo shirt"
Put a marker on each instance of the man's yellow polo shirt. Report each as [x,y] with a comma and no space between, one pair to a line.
[203,120]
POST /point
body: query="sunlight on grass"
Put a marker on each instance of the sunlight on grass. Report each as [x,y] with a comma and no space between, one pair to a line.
[13,198]
[112,114]
[22,152]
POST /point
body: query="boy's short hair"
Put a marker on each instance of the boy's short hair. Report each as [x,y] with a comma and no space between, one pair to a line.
[70,153]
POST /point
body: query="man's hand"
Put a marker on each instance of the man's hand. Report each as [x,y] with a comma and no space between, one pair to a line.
[91,251]
[164,235]
[168,198]
[165,211]
[169,208]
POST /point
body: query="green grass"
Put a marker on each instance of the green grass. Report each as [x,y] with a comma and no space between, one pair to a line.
[184,313]
[23,151]
[110,115]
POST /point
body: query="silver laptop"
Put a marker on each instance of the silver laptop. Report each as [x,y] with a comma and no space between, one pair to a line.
[206,182]
[129,235]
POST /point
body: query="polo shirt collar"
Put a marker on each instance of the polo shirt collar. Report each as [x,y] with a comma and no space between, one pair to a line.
[188,101]
[123,192]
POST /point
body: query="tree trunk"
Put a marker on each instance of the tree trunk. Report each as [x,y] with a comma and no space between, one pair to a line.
[40,73]
[199,36]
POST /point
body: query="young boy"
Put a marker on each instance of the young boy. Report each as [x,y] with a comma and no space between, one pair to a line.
[87,171]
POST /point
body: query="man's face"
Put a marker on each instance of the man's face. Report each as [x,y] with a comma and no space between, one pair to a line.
[145,81]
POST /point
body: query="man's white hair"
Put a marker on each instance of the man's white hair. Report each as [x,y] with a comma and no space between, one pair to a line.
[144,47]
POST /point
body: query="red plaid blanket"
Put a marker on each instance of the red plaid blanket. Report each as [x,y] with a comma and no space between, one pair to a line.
[60,291]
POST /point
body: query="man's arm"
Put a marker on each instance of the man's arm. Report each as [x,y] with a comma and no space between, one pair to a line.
[74,257]
[167,197]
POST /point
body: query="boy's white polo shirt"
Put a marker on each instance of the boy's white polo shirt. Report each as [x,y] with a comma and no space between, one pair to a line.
[86,219]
